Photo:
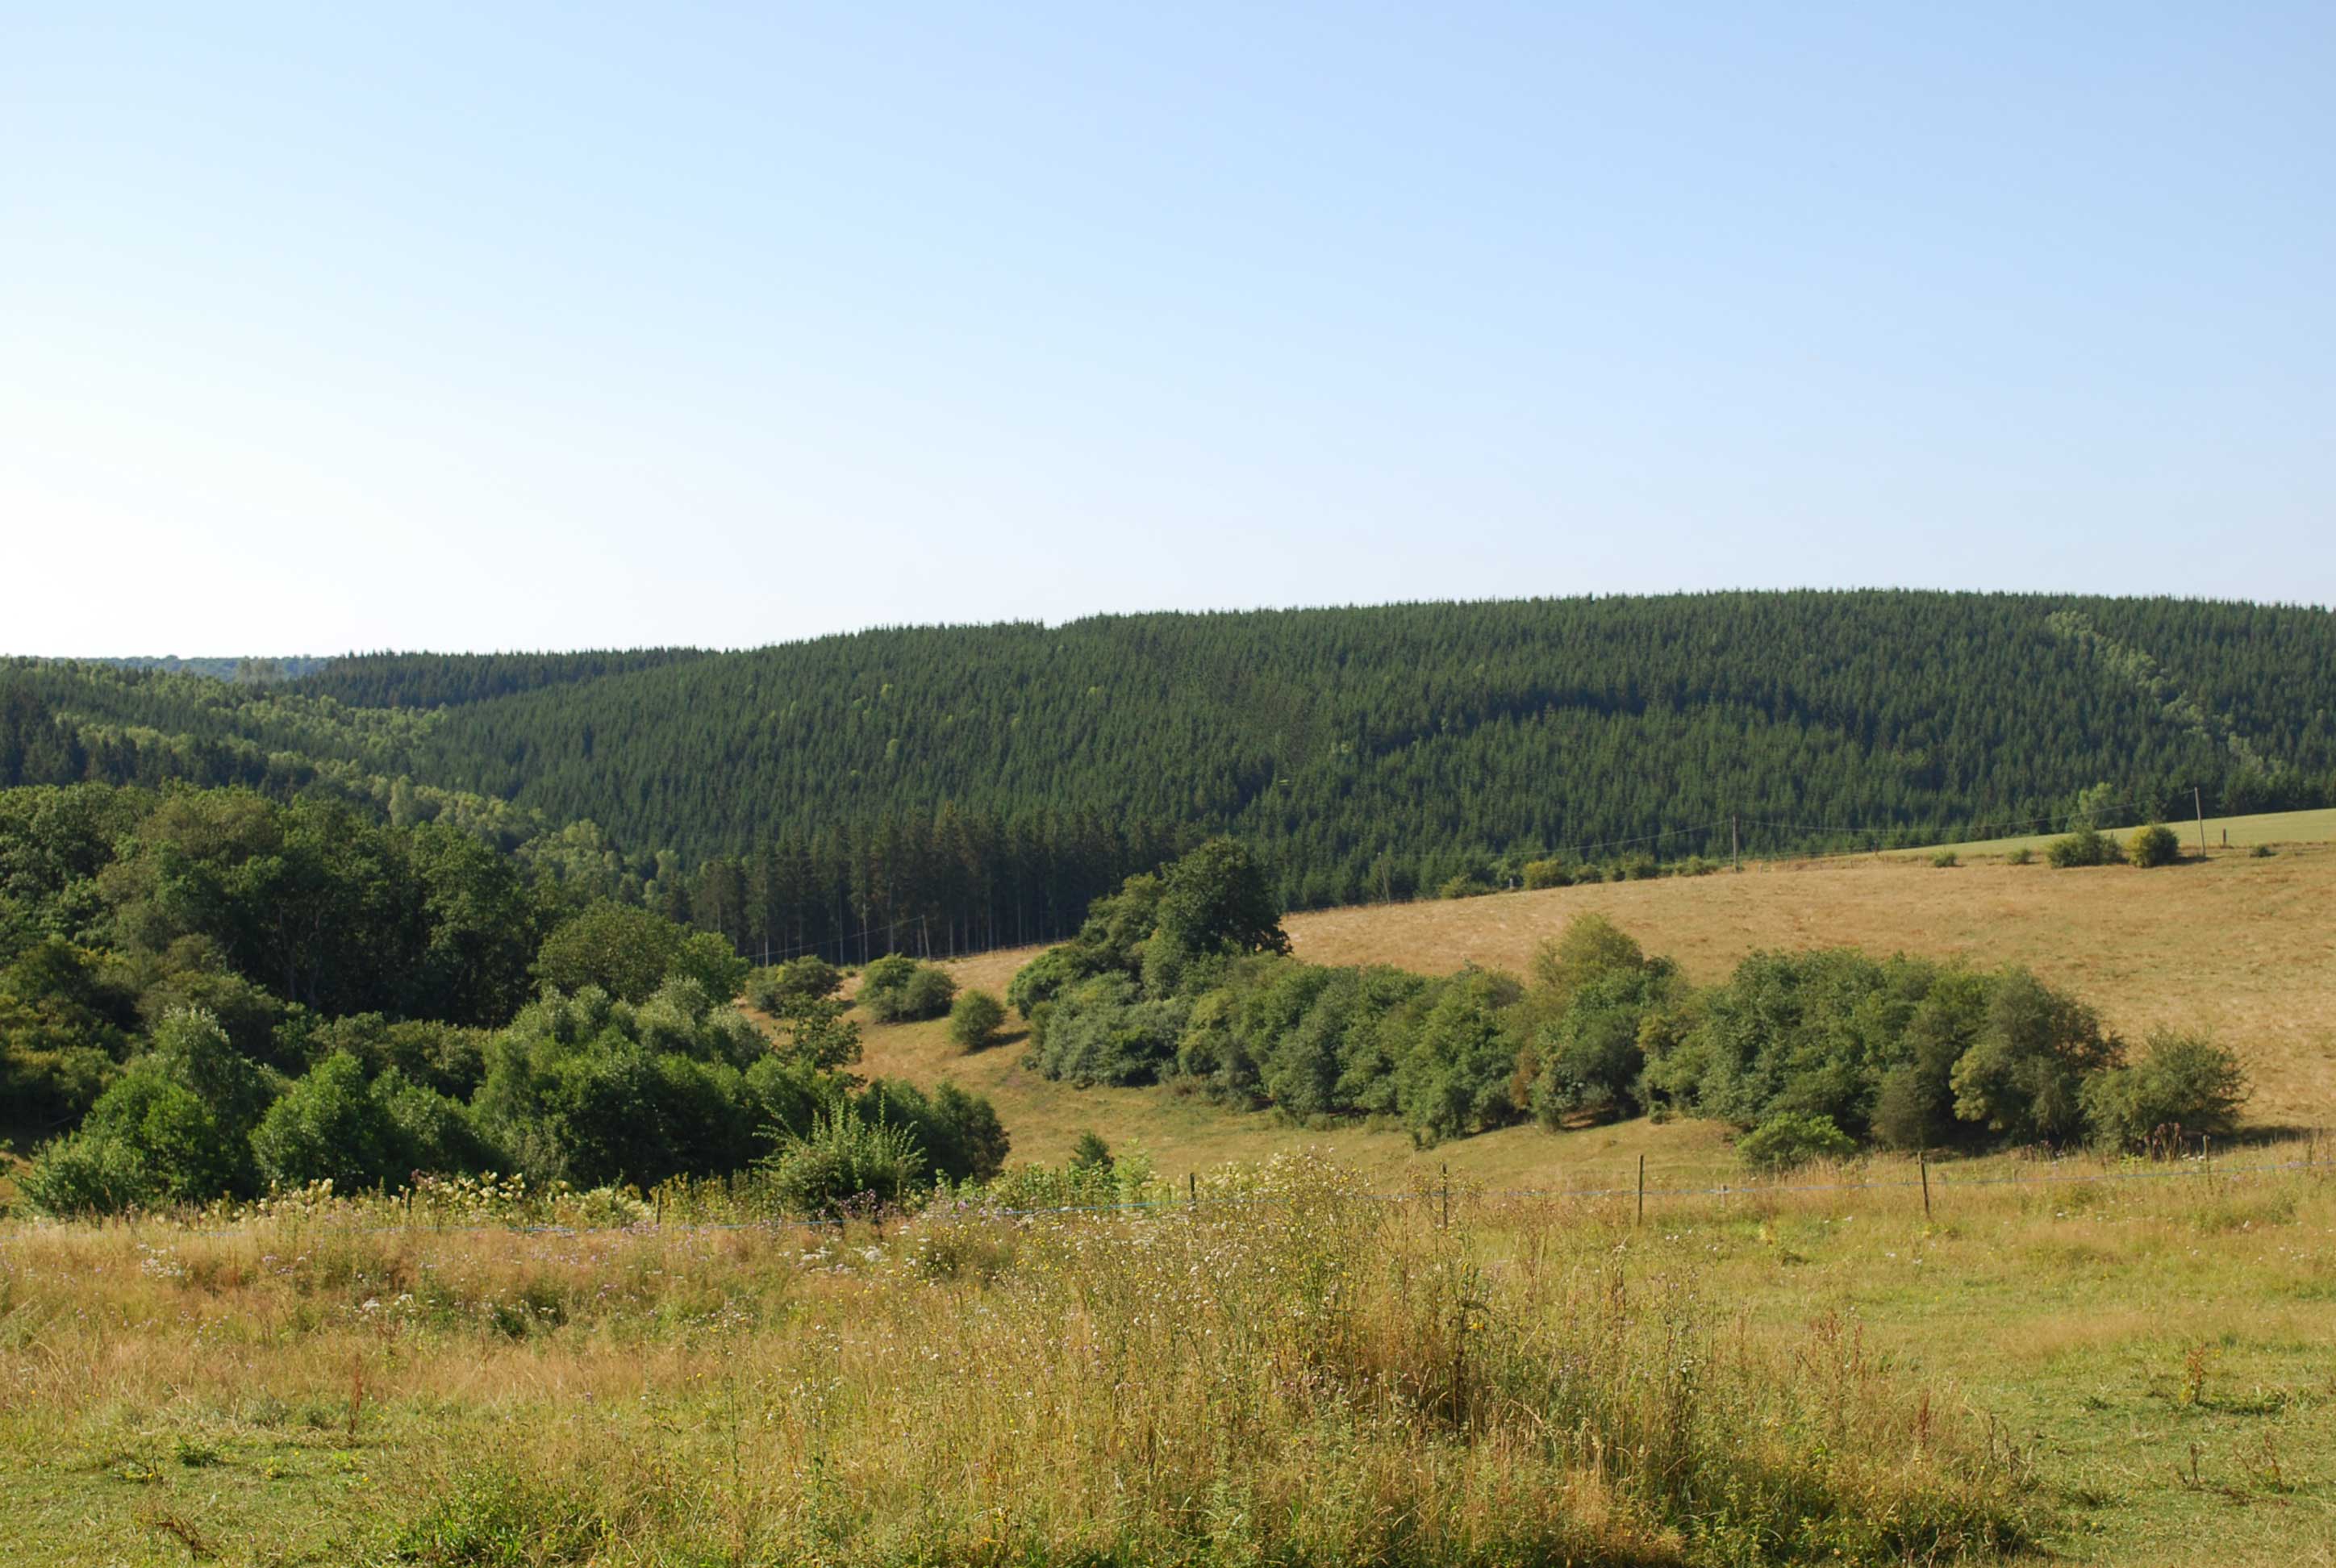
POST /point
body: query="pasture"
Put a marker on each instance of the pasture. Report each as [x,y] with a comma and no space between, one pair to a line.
[2106,1371]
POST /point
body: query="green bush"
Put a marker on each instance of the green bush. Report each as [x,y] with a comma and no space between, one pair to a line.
[845,1161]
[185,1109]
[1091,1152]
[810,978]
[2085,847]
[90,1174]
[2155,845]
[961,1135]
[592,1090]
[1105,1032]
[1548,874]
[897,989]
[1044,977]
[2181,1083]
[1790,1141]
[2261,852]
[975,1020]
[330,1125]
[2023,1076]
[1946,860]
[929,993]
[1462,886]
[2021,856]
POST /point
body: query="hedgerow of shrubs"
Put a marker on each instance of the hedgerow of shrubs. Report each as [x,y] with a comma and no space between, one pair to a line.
[1831,1050]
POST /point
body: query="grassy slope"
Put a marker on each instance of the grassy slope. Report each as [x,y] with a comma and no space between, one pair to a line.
[2244,949]
[2242,832]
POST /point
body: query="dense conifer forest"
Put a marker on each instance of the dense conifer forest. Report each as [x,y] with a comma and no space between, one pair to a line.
[943,788]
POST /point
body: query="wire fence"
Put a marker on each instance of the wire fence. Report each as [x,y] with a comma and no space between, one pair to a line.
[1933,1182]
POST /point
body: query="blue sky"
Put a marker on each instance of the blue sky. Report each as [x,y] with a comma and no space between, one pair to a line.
[487,326]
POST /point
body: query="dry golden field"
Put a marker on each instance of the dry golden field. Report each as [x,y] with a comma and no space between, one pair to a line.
[2242,947]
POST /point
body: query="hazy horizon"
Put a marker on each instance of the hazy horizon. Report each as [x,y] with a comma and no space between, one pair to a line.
[119,655]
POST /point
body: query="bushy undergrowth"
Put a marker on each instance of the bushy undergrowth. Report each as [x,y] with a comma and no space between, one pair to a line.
[581,1089]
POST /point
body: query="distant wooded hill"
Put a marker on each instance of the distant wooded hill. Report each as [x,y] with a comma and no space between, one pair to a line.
[978,784]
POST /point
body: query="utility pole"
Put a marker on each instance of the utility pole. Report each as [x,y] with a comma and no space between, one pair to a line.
[2198,799]
[1735,841]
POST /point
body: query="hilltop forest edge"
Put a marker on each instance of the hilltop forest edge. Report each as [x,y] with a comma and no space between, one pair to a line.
[942,790]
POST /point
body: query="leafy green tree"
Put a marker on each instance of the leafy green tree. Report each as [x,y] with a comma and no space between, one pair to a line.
[2021,1078]
[329,1126]
[1589,947]
[1589,1052]
[629,953]
[1091,1152]
[1452,1070]
[184,1112]
[1217,899]
[816,1031]
[64,1026]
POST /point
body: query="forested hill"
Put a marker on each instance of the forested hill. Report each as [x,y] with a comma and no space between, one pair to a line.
[1331,737]
[1365,751]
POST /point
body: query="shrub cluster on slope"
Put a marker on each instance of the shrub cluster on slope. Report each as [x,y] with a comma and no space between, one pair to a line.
[1825,1050]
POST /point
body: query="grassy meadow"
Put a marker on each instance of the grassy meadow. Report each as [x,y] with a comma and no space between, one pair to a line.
[2097,1371]
[2090,1361]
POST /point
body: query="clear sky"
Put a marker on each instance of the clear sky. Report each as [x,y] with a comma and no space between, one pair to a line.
[496,326]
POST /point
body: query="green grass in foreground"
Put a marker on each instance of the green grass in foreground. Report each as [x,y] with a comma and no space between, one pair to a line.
[2124,1371]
